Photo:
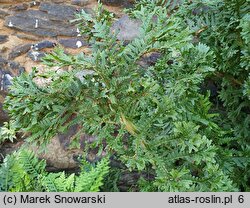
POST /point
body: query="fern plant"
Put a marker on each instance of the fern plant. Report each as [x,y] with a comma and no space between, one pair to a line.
[7,132]
[90,179]
[23,171]
[224,27]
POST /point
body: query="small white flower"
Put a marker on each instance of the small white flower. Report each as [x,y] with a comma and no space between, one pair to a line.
[36,25]
[10,24]
[8,77]
[78,31]
[35,54]
[79,44]
[35,47]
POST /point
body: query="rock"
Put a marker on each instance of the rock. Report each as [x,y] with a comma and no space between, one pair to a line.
[128,29]
[34,3]
[80,2]
[15,68]
[3,49]
[27,37]
[128,180]
[19,50]
[113,2]
[81,74]
[66,138]
[149,59]
[40,23]
[8,69]
[72,42]
[19,7]
[126,3]
[5,80]
[3,62]
[59,154]
[11,1]
[3,115]
[58,158]
[58,12]
[3,38]
[58,1]
[36,55]
[3,14]
[200,10]
[43,44]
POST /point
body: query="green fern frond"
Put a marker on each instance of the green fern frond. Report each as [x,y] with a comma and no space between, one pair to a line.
[92,179]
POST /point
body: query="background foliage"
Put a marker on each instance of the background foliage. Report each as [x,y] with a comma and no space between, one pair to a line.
[183,120]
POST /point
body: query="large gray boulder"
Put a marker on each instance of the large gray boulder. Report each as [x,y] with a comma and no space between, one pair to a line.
[127,28]
[50,20]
